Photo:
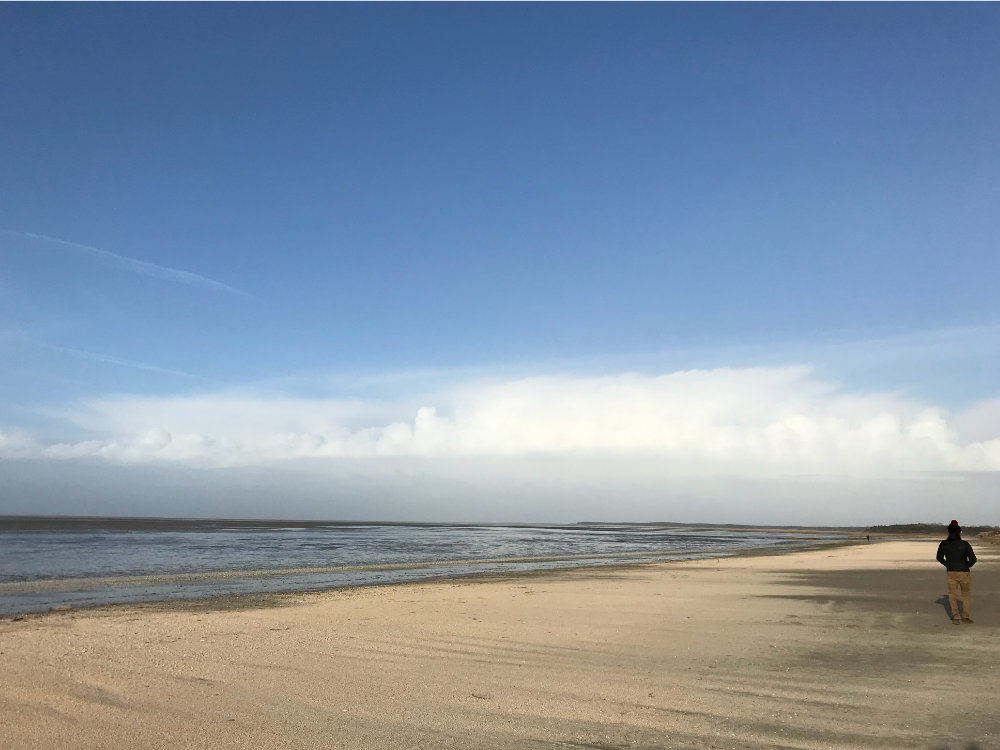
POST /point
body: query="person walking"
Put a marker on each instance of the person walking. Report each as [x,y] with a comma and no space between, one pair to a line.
[957,557]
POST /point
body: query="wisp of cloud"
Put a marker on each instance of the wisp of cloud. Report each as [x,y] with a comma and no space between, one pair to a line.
[133,265]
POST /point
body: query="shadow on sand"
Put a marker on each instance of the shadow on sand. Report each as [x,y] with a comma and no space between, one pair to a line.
[892,592]
[946,605]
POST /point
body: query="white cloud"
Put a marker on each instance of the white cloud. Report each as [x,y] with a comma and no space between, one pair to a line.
[18,444]
[980,422]
[762,422]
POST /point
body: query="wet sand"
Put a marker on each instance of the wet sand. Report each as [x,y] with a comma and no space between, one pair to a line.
[841,647]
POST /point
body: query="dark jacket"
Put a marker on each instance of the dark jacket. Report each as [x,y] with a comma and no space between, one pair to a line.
[956,554]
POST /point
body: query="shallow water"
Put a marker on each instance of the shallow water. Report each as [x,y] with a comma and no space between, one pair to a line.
[87,562]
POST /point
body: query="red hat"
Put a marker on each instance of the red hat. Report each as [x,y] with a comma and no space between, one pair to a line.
[954,525]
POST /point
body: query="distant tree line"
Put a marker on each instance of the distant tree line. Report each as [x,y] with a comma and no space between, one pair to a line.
[928,528]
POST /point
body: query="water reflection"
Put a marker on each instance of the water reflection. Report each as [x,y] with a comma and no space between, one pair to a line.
[318,557]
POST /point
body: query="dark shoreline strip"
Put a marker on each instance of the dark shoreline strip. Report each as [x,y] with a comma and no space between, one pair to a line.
[104,582]
[275,598]
[70,524]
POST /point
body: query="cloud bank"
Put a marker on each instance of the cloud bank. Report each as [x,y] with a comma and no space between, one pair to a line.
[761,422]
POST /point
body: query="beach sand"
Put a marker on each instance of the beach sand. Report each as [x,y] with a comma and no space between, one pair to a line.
[841,647]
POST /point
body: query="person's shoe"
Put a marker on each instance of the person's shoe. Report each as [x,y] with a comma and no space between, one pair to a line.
[955,621]
[966,620]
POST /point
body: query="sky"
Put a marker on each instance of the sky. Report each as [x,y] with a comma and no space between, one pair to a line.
[730,263]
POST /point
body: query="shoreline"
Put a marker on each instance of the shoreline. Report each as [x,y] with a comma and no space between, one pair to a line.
[234,600]
[27,523]
[845,646]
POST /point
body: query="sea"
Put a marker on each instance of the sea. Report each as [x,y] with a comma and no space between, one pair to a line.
[57,562]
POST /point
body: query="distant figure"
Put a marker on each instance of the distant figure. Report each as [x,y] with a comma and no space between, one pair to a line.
[957,556]
[868,537]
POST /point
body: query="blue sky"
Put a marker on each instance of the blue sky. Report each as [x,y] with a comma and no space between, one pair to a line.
[570,231]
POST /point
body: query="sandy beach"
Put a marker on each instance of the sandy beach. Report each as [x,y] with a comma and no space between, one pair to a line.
[841,647]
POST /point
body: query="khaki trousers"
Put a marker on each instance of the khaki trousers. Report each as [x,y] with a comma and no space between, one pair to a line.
[958,579]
